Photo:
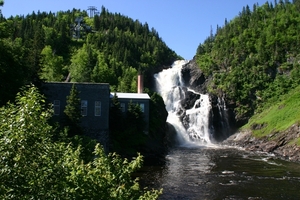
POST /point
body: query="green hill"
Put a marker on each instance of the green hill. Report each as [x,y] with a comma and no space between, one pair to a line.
[254,59]
[277,117]
[110,48]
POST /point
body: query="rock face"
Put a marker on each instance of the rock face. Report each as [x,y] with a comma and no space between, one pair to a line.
[222,116]
[282,144]
[224,121]
[194,77]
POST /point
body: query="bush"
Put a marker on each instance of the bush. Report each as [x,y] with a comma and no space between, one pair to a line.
[32,166]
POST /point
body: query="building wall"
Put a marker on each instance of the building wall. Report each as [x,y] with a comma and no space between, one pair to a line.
[97,127]
[138,101]
[135,98]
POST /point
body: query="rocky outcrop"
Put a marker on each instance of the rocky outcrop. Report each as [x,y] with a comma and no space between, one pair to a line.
[222,117]
[282,144]
[194,77]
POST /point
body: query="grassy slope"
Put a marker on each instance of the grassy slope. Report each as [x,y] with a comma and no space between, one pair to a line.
[278,116]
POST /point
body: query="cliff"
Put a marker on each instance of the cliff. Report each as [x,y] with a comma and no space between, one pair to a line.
[223,119]
[274,129]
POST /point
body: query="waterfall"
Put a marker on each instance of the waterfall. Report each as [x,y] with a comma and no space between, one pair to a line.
[191,123]
[223,119]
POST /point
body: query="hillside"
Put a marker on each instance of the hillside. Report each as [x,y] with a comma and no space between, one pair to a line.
[69,45]
[277,117]
[253,62]
[254,59]
[274,130]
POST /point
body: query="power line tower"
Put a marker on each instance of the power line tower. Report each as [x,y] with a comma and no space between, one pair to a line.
[77,27]
[92,10]
[80,29]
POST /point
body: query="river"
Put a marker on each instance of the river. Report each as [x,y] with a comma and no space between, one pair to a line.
[223,173]
[199,169]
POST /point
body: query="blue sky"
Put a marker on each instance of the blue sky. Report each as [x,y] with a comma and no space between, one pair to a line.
[182,24]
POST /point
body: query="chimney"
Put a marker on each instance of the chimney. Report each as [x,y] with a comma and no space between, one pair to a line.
[140,84]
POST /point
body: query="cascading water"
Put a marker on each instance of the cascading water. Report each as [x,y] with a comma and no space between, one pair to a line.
[192,124]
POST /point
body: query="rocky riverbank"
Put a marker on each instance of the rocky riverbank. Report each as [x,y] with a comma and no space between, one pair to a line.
[282,144]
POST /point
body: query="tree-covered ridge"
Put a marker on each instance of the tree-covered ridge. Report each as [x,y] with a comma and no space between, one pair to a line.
[254,58]
[41,46]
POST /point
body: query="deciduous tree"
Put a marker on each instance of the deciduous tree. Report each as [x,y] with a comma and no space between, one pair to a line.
[32,166]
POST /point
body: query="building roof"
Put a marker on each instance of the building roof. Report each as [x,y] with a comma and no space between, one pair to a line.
[130,95]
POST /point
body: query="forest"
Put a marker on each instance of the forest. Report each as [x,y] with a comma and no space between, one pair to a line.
[255,58]
[71,46]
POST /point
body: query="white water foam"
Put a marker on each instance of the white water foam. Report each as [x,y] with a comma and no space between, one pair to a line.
[170,85]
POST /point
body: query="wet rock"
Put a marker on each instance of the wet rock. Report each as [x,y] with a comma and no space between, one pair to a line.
[222,114]
[194,77]
[283,144]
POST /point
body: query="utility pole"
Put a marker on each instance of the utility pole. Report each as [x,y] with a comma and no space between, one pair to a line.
[92,10]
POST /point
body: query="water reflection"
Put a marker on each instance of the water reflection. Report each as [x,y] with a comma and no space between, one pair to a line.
[223,173]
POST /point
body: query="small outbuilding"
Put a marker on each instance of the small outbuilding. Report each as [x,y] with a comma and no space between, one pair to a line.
[142,99]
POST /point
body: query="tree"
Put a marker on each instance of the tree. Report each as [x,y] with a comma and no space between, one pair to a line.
[115,114]
[1,4]
[128,81]
[52,65]
[126,128]
[116,123]
[102,73]
[32,166]
[73,112]
[78,68]
[133,137]
[28,167]
[13,73]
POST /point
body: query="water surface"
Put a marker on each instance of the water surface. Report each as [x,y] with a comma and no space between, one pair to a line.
[223,173]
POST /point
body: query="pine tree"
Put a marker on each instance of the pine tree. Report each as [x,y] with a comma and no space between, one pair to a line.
[1,4]
[73,112]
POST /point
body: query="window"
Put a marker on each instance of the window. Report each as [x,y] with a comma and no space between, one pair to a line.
[56,107]
[84,104]
[142,107]
[97,108]
[122,105]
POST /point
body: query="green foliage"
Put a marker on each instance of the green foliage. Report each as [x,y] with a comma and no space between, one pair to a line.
[157,116]
[73,113]
[82,64]
[28,167]
[13,73]
[41,46]
[126,129]
[52,65]
[32,166]
[128,82]
[102,73]
[127,47]
[254,58]
[278,116]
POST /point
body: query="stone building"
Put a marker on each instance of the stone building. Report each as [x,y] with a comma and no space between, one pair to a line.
[95,103]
